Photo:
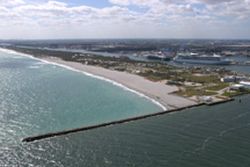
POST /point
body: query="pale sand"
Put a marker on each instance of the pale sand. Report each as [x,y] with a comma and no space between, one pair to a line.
[158,91]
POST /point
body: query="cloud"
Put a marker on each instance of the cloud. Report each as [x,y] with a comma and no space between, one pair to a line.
[214,1]
[157,18]
[11,2]
[134,2]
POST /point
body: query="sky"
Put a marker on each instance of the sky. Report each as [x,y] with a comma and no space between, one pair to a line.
[64,19]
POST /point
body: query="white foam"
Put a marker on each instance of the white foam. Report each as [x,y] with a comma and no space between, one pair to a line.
[87,74]
[34,67]
[17,57]
[40,63]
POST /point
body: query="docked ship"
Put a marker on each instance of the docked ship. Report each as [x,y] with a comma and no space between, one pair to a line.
[194,58]
[246,84]
[160,56]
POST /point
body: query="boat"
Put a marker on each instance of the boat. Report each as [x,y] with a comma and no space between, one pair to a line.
[194,58]
[246,84]
[158,57]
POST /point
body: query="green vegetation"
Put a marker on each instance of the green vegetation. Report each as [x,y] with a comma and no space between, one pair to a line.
[154,76]
[236,93]
[178,75]
[218,86]
[189,77]
[203,90]
[195,91]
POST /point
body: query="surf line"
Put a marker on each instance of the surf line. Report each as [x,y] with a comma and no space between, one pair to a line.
[88,74]
[82,129]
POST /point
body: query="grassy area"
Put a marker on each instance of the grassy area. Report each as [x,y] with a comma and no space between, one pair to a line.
[168,73]
[236,93]
[194,91]
[218,86]
[154,76]
[200,79]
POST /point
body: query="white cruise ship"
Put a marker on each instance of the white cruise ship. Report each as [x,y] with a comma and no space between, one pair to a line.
[193,58]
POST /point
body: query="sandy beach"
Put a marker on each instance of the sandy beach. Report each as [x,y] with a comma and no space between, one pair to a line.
[158,91]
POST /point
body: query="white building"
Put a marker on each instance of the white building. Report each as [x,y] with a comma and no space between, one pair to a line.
[236,87]
[233,79]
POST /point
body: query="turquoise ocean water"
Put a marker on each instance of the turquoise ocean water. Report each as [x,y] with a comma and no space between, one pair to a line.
[36,97]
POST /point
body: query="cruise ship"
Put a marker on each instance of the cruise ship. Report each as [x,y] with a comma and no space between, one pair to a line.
[160,56]
[194,58]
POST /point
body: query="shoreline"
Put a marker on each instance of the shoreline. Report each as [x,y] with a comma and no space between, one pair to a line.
[157,92]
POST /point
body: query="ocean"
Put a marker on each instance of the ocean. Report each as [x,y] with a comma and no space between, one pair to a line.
[36,97]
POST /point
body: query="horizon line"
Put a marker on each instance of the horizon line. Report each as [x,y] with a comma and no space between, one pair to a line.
[44,39]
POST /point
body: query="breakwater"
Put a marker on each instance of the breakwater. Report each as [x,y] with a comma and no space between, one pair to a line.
[66,132]
[61,133]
